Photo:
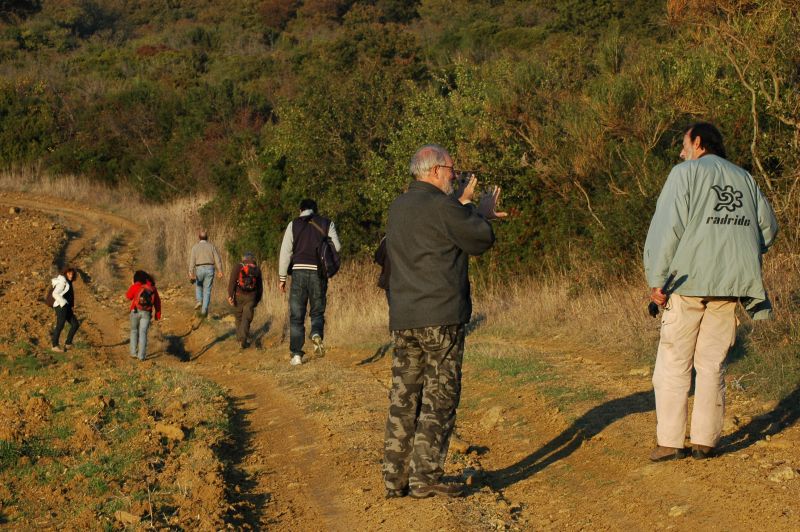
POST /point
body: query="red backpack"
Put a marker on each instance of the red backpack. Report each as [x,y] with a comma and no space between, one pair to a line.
[248,278]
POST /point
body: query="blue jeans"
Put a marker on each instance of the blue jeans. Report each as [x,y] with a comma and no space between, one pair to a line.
[140,322]
[204,276]
[307,288]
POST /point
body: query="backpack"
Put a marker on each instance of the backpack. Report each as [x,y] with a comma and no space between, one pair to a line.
[328,259]
[49,300]
[146,299]
[248,278]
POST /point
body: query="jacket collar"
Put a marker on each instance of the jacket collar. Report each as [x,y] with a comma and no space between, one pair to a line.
[424,187]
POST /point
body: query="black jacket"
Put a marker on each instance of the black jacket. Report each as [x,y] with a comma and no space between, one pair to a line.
[430,236]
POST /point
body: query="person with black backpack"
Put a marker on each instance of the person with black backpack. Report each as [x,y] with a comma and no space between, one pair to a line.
[62,298]
[310,254]
[245,289]
[145,305]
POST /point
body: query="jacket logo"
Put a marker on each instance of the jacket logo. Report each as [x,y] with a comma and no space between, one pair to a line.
[729,199]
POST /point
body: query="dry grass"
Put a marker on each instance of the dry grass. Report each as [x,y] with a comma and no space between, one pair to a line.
[170,230]
[356,316]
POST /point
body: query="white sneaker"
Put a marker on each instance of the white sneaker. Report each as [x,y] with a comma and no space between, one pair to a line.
[319,348]
[296,360]
[198,305]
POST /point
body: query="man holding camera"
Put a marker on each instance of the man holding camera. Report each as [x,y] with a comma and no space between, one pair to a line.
[711,226]
[430,235]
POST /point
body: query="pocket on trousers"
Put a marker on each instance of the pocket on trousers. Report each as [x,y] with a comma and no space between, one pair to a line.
[669,317]
[436,338]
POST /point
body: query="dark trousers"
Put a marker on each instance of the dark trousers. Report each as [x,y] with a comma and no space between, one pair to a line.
[63,315]
[308,289]
[244,310]
[426,389]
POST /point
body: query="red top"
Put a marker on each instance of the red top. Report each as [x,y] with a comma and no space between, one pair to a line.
[133,295]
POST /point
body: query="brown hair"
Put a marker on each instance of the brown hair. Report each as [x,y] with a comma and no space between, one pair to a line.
[67,270]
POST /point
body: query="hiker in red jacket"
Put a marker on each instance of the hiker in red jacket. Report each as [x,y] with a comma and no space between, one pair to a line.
[145,304]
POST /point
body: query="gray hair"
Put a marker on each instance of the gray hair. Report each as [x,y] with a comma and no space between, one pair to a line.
[427,157]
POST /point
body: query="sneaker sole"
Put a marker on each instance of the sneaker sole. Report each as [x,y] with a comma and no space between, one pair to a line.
[319,348]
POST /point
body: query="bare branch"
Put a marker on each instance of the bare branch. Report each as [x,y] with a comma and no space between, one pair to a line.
[589,204]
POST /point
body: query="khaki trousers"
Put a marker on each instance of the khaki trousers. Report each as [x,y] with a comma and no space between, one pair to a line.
[695,331]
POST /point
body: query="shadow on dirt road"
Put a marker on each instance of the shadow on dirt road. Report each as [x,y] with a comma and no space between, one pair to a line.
[785,414]
[247,502]
[584,428]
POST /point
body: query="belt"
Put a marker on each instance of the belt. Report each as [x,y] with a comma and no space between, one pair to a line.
[205,264]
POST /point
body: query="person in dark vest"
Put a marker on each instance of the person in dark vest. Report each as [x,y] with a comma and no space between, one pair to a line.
[298,257]
[145,305]
[245,289]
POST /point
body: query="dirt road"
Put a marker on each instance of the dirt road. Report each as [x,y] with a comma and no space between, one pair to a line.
[558,434]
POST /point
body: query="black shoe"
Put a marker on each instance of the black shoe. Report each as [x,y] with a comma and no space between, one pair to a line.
[441,489]
[702,452]
[396,494]
[665,454]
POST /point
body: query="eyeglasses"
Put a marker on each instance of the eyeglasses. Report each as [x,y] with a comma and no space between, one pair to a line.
[459,175]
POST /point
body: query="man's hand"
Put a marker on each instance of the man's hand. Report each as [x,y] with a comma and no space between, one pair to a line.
[488,205]
[231,301]
[466,190]
[192,276]
[658,297]
[282,286]
[219,274]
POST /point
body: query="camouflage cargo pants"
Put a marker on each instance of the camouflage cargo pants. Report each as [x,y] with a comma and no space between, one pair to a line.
[426,388]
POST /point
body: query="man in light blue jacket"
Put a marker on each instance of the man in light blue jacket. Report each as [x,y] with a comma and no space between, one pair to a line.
[711,226]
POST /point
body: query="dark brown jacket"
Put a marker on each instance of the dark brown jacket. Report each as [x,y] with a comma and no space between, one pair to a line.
[233,282]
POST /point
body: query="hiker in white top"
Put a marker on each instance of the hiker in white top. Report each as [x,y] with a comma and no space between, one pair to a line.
[63,304]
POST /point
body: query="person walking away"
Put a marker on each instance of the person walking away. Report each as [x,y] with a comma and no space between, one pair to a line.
[245,289]
[430,236]
[298,256]
[145,305]
[63,294]
[711,226]
[204,261]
